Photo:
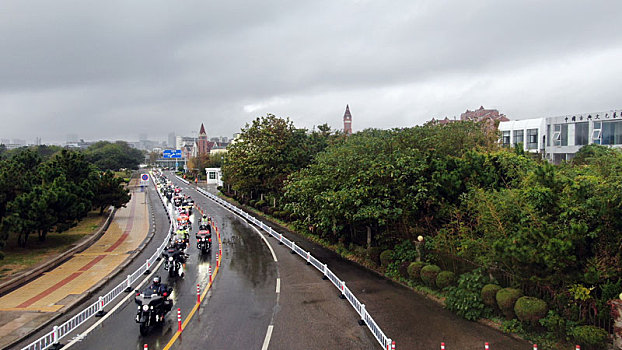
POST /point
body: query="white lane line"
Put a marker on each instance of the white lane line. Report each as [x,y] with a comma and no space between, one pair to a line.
[266,341]
[278,285]
[81,336]
[267,243]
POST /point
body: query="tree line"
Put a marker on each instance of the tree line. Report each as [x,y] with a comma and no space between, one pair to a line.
[453,184]
[42,192]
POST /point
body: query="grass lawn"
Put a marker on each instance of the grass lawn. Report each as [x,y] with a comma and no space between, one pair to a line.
[18,259]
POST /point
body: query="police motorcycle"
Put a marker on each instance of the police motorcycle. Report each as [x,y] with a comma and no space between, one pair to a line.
[175,257]
[153,304]
[204,240]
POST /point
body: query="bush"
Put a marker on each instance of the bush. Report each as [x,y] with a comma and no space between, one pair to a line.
[554,324]
[506,298]
[465,299]
[489,295]
[414,270]
[589,337]
[403,269]
[530,310]
[445,279]
[429,274]
[373,254]
[260,203]
[386,257]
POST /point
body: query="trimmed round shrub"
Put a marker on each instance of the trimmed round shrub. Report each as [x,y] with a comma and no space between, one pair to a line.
[589,337]
[489,295]
[506,298]
[429,273]
[386,257]
[373,254]
[414,270]
[445,279]
[530,310]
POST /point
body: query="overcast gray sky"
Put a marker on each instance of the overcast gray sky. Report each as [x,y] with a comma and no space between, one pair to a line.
[115,69]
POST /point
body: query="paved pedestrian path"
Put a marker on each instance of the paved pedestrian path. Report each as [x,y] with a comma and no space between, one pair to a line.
[31,305]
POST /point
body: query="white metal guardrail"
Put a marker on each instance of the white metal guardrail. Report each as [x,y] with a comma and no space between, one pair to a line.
[59,332]
[366,318]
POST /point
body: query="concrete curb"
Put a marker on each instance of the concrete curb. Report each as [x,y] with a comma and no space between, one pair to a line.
[91,291]
[29,275]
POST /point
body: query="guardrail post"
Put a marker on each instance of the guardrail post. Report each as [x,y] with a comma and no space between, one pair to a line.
[100,307]
[325,270]
[388,344]
[308,258]
[293,247]
[128,288]
[363,312]
[281,239]
[147,271]
[55,340]
[343,290]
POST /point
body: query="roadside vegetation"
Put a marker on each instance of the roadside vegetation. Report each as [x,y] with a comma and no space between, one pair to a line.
[498,233]
[39,196]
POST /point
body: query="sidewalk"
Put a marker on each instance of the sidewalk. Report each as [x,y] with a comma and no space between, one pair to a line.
[25,309]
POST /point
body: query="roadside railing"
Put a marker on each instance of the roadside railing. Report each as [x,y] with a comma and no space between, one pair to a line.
[98,308]
[365,317]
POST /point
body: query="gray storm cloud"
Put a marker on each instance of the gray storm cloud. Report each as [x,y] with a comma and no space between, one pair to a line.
[115,69]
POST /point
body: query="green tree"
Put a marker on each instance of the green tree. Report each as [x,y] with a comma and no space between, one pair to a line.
[109,190]
[114,156]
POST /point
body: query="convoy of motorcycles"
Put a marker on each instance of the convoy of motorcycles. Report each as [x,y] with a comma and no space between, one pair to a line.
[154,302]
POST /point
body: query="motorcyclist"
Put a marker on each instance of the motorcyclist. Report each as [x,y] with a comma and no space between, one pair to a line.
[157,287]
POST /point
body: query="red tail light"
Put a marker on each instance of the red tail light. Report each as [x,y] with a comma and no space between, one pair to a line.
[209,239]
[164,294]
[137,294]
[198,240]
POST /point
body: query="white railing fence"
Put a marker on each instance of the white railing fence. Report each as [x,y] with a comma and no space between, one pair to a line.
[97,308]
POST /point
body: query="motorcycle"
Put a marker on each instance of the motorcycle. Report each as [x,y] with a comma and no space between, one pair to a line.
[204,241]
[174,259]
[152,308]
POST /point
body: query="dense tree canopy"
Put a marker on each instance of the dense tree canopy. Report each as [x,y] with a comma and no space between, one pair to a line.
[114,156]
[39,196]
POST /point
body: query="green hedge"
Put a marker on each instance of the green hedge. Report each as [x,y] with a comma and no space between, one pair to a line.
[530,310]
[589,337]
[445,279]
[429,274]
[386,257]
[506,298]
[489,295]
[414,270]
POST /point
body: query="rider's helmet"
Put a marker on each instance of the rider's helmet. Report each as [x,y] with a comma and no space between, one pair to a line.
[204,216]
[156,281]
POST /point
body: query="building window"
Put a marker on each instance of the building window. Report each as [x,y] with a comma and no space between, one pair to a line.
[212,175]
[596,133]
[581,133]
[560,135]
[611,133]
[518,137]
[505,139]
[548,135]
[532,138]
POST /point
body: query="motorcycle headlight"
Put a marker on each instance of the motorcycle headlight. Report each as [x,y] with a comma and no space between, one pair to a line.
[170,258]
[145,307]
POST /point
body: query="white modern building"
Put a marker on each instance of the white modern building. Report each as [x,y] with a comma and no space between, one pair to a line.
[557,139]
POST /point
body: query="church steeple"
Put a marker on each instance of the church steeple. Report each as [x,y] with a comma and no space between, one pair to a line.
[202,131]
[347,121]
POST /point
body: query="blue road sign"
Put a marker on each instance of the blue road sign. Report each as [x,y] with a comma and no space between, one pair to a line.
[171,153]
